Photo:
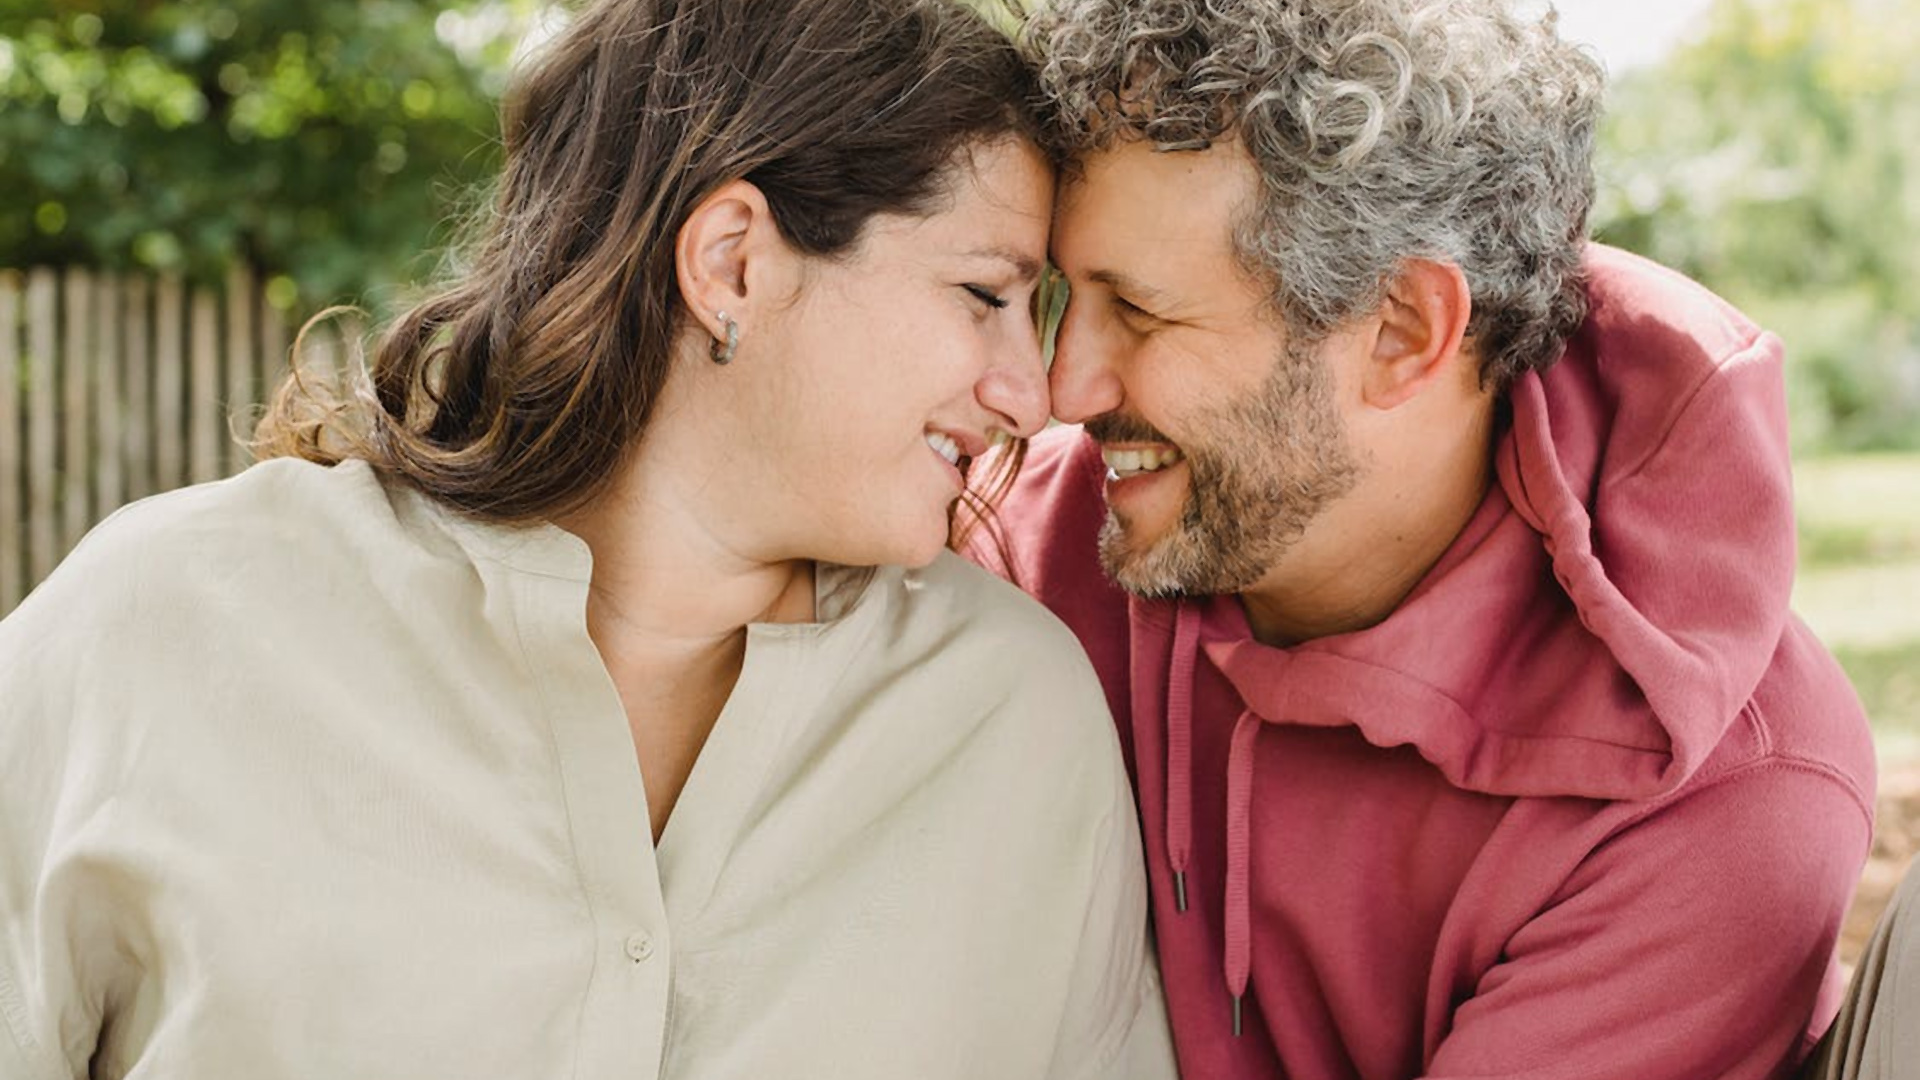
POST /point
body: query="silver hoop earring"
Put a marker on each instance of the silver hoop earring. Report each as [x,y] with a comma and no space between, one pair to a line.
[722,352]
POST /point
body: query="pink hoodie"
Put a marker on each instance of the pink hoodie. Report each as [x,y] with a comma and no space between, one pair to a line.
[1591,803]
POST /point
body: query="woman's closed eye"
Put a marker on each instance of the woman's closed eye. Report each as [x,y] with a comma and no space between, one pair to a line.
[987,296]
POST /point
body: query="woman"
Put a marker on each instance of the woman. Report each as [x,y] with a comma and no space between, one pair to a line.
[560,706]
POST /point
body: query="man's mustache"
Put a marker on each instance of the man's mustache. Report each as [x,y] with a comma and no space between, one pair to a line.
[1115,428]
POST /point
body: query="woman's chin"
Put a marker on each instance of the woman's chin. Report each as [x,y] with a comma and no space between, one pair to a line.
[910,546]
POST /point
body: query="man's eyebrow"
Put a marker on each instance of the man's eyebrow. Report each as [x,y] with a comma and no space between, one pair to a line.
[1132,286]
[1025,265]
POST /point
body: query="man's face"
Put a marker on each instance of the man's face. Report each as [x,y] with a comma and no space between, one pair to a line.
[1224,439]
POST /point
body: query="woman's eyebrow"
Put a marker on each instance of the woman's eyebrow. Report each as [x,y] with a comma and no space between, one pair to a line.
[1025,265]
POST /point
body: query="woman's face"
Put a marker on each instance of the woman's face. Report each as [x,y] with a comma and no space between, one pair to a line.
[900,359]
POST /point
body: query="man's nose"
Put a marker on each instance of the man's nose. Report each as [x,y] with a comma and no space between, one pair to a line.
[1082,379]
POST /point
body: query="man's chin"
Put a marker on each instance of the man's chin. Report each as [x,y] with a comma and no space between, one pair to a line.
[1185,560]
[1148,568]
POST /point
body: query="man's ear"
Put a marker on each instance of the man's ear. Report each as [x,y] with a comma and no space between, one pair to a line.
[1422,323]
[728,255]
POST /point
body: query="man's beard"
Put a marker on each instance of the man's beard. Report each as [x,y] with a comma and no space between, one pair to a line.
[1258,471]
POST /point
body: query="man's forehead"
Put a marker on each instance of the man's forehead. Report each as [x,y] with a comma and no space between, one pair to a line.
[1129,201]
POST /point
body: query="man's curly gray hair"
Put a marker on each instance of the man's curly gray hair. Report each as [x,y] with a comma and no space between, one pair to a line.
[1383,130]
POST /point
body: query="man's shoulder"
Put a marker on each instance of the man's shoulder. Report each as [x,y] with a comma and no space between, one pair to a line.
[1804,716]
[1641,312]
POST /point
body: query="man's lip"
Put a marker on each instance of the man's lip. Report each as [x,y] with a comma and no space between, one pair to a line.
[1125,491]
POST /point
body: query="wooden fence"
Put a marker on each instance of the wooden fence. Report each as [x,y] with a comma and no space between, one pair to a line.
[113,388]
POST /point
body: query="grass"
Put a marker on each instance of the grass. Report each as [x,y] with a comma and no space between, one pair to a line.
[1859,582]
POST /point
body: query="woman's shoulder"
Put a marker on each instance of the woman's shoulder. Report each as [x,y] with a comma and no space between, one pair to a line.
[278,496]
[991,654]
[954,597]
[281,517]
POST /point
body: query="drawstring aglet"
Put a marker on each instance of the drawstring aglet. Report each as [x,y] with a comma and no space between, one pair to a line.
[1236,1016]
[1180,890]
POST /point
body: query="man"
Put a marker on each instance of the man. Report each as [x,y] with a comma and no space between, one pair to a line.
[1436,562]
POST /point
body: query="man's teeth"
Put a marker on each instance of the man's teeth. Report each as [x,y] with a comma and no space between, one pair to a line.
[945,447]
[1128,462]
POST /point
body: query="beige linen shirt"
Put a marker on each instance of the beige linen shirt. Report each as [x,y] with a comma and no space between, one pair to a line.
[306,777]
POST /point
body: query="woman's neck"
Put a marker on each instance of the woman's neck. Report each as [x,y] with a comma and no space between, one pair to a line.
[666,575]
[670,600]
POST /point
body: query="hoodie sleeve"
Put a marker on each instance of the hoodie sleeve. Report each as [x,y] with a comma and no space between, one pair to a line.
[1697,942]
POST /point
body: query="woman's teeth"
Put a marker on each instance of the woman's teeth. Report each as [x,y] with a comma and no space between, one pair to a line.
[1130,462]
[945,447]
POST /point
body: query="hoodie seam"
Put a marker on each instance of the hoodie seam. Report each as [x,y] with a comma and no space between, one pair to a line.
[1760,733]
[1711,377]
[1773,763]
[1478,722]
[1841,779]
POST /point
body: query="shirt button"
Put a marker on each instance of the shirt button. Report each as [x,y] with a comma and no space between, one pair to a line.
[639,946]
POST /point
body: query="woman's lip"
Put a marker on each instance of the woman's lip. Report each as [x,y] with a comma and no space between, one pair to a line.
[957,478]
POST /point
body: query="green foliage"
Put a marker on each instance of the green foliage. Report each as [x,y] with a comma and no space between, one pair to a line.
[1859,569]
[1775,159]
[325,143]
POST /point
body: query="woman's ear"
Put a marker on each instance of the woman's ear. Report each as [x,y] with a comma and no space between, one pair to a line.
[727,255]
[1422,324]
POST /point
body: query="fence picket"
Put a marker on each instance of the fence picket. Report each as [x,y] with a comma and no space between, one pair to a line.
[42,423]
[76,386]
[109,464]
[114,387]
[137,434]
[13,525]
[272,357]
[204,426]
[169,385]
[241,343]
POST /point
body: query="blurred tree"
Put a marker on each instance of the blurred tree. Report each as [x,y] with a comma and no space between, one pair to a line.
[323,143]
[1777,159]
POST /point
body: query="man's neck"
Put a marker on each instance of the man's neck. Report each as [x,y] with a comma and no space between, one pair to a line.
[1357,564]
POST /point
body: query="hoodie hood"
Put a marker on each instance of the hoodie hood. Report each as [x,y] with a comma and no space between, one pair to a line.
[1643,487]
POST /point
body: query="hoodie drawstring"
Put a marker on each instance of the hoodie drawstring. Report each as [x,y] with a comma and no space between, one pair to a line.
[1186,652]
[1239,914]
[1239,921]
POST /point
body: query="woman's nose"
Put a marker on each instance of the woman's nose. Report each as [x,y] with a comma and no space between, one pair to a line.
[1015,387]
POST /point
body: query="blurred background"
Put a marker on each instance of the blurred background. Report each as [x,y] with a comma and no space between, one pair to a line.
[183,182]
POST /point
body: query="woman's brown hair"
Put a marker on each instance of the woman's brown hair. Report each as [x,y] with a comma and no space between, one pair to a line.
[515,391]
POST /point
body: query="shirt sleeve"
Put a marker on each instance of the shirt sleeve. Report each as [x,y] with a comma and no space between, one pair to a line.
[39,1016]
[1116,1022]
[1695,943]
[64,668]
